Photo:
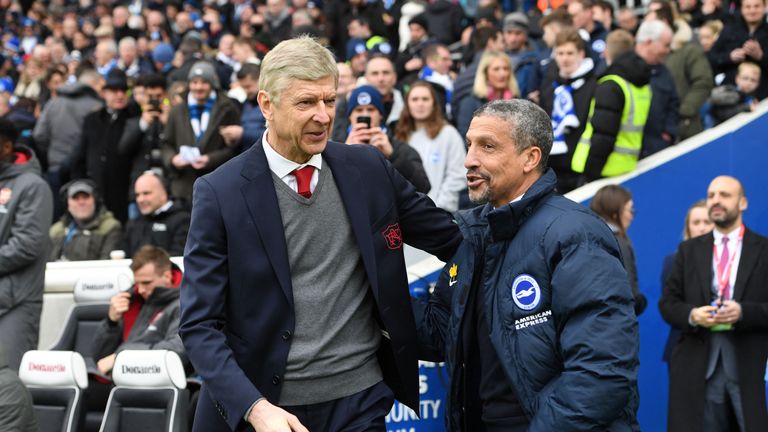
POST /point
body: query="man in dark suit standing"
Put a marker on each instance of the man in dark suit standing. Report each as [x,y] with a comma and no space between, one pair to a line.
[717,296]
[295,307]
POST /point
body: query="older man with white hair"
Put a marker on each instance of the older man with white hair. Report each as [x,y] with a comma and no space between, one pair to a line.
[295,305]
[653,46]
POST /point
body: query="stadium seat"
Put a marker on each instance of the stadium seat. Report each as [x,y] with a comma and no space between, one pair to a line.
[56,380]
[150,393]
[92,293]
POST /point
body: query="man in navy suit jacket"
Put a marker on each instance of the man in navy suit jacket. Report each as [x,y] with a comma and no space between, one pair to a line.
[295,302]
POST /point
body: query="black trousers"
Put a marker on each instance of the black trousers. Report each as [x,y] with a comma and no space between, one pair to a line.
[361,412]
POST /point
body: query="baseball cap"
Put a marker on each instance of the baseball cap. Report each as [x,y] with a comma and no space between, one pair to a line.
[79,186]
[355,46]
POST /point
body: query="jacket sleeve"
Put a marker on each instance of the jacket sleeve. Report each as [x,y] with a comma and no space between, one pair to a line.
[107,339]
[424,226]
[606,122]
[42,131]
[170,341]
[203,307]
[455,180]
[674,307]
[225,152]
[78,163]
[407,162]
[168,148]
[28,238]
[598,331]
[699,72]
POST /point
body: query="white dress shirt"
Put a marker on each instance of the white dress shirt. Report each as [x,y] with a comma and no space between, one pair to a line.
[283,168]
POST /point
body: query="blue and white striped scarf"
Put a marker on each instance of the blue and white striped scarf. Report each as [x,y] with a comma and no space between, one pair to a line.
[563,117]
[200,115]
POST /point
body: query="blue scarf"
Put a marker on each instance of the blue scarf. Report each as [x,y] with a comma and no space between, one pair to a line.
[199,115]
[563,118]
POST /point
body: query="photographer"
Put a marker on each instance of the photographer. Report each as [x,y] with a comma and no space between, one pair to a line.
[365,111]
[148,128]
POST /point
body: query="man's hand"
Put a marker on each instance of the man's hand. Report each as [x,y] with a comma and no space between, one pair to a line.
[738,55]
[231,134]
[359,134]
[728,313]
[265,417]
[752,48]
[200,162]
[380,140]
[413,64]
[118,305]
[179,162]
[149,116]
[704,316]
[106,364]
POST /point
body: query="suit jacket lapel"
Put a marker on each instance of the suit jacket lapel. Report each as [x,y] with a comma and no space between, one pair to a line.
[349,183]
[703,262]
[261,199]
[747,262]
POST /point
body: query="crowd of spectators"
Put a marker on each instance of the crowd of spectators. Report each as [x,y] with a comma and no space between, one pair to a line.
[125,103]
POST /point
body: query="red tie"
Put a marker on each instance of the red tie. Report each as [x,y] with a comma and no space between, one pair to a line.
[724,258]
[303,179]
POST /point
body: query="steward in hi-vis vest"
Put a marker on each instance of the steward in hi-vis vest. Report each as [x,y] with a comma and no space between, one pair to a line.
[612,140]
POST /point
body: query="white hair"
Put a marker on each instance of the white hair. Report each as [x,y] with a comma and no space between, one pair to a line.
[651,31]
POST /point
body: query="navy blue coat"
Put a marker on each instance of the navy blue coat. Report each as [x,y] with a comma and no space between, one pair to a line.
[237,314]
[559,309]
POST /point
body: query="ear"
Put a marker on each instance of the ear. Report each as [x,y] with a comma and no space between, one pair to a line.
[532,159]
[743,204]
[265,104]
[168,277]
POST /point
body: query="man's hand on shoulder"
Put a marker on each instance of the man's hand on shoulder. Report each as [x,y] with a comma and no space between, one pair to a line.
[265,417]
[118,305]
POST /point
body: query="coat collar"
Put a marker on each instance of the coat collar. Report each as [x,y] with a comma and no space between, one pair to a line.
[506,221]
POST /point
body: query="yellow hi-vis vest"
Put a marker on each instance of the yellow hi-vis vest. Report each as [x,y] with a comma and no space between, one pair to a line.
[629,140]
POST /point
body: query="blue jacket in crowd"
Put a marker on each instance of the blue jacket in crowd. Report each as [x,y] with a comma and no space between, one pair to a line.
[559,309]
[254,124]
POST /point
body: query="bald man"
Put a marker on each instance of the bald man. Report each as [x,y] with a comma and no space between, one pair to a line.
[163,222]
[717,295]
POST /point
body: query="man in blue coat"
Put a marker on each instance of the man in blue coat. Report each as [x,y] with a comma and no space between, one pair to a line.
[534,314]
[295,302]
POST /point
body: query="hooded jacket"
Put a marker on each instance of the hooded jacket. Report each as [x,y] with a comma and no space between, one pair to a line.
[91,240]
[26,210]
[609,104]
[58,131]
[156,326]
[559,310]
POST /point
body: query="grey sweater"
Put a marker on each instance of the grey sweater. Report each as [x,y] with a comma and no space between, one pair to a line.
[333,350]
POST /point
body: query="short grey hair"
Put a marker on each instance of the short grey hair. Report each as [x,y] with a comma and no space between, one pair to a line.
[302,58]
[529,125]
[651,31]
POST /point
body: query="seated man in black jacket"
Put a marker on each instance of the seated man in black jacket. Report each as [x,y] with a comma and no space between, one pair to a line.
[163,222]
[365,111]
[146,317]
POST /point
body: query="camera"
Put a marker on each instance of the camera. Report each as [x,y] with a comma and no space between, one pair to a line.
[155,105]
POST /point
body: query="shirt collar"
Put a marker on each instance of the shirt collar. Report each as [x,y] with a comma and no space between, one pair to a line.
[733,236]
[163,208]
[282,166]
